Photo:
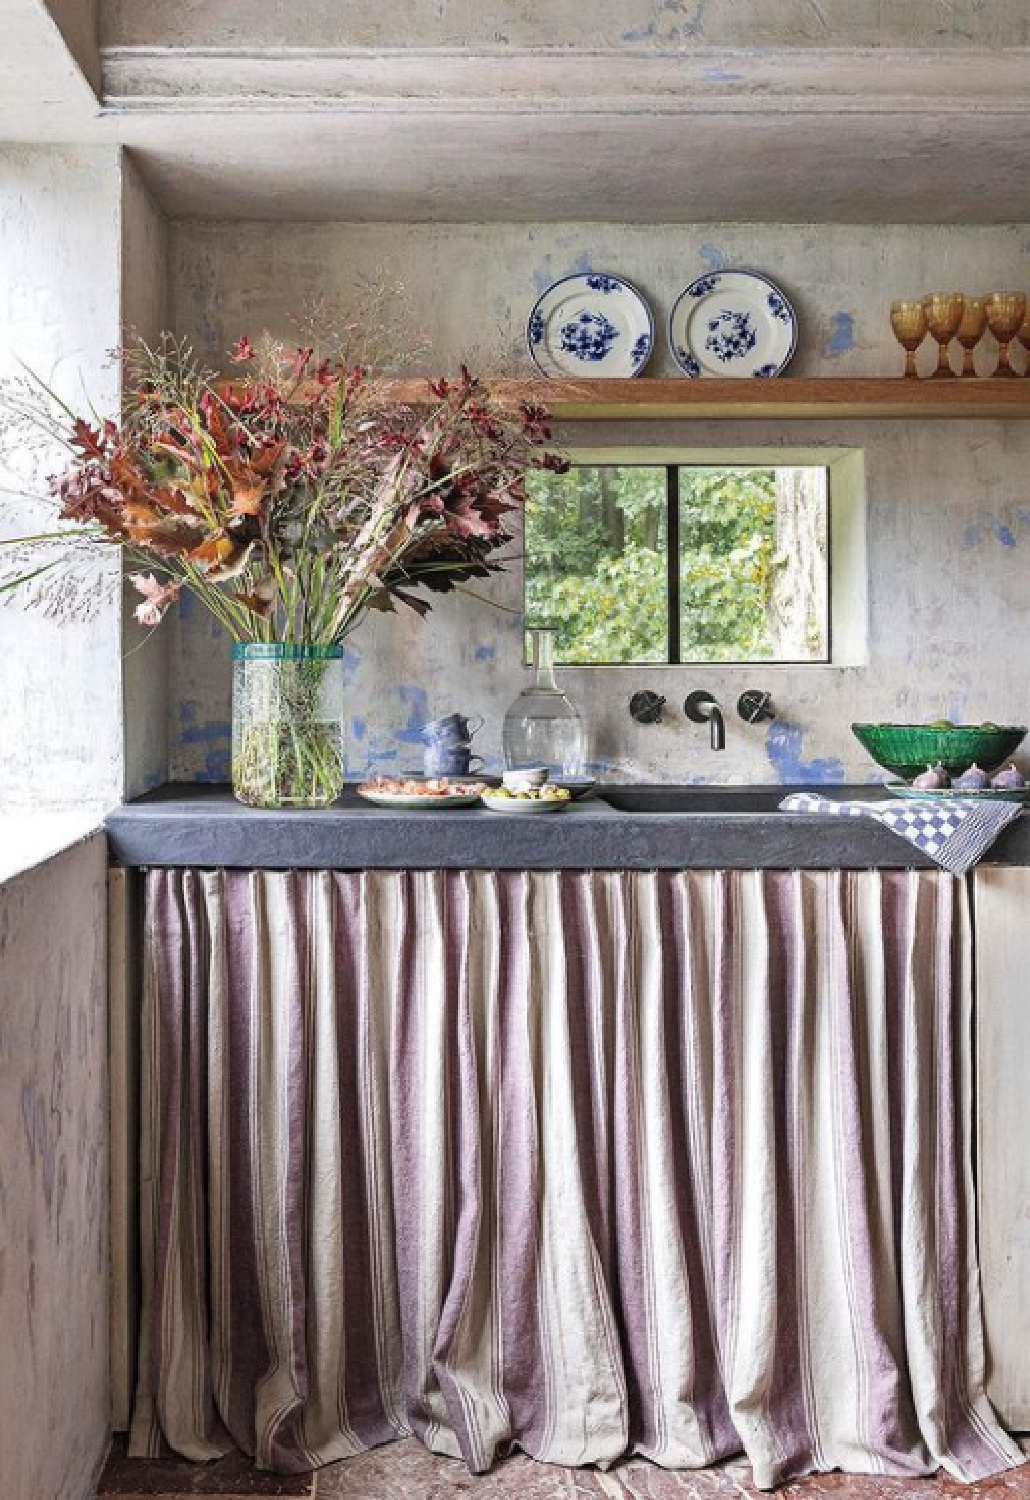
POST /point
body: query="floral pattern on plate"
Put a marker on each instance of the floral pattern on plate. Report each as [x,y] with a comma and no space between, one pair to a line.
[732,323]
[591,324]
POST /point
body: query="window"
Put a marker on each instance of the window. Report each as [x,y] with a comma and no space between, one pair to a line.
[681,562]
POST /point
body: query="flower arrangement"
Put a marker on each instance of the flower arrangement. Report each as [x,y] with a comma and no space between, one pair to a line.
[293,502]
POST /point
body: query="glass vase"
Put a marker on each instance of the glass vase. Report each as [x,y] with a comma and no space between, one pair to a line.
[287,725]
[542,728]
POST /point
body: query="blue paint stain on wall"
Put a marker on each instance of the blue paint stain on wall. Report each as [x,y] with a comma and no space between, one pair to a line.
[486,652]
[418,714]
[842,334]
[722,75]
[351,660]
[216,766]
[194,731]
[714,258]
[978,532]
[215,733]
[545,276]
[784,746]
[359,728]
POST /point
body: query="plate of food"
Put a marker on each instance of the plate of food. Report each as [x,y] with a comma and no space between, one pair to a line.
[1006,785]
[951,793]
[430,792]
[527,800]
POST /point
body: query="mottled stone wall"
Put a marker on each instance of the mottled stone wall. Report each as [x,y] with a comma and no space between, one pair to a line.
[948,503]
[144,315]
[564,23]
[60,217]
[53,1177]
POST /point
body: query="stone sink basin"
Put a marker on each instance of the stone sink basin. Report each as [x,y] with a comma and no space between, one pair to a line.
[714,801]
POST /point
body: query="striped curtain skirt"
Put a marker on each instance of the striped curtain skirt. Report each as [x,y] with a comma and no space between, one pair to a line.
[675,1164]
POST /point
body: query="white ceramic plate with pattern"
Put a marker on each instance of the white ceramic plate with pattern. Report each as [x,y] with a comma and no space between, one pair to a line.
[525,807]
[591,326]
[730,324]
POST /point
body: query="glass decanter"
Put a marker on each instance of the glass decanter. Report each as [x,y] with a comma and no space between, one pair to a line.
[542,728]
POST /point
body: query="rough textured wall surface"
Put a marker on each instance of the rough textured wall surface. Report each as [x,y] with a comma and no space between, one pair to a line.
[60,733]
[145,315]
[610,23]
[79,24]
[53,1177]
[948,503]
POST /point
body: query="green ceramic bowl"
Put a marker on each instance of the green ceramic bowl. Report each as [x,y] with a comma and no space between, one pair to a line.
[907,749]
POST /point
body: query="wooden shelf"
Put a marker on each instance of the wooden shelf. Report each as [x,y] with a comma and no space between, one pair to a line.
[605,400]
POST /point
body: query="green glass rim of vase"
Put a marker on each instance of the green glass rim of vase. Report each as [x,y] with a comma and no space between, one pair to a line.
[283,651]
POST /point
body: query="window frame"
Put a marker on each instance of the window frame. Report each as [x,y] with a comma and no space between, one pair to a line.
[847,592]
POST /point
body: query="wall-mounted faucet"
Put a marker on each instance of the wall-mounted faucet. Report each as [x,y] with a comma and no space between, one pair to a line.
[701,707]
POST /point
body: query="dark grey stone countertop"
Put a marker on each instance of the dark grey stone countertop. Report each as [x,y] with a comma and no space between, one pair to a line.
[724,828]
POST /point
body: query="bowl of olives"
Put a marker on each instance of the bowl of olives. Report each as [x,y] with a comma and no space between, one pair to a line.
[907,749]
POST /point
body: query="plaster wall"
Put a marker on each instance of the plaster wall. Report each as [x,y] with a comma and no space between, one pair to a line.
[561,23]
[53,1177]
[145,315]
[79,24]
[60,226]
[948,504]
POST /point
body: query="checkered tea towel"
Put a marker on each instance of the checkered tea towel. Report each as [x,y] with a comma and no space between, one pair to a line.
[955,833]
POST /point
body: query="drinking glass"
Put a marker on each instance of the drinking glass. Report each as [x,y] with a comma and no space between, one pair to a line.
[908,320]
[943,316]
[971,331]
[1023,335]
[1005,314]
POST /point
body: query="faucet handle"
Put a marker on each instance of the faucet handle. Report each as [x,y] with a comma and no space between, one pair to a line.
[646,707]
[753,706]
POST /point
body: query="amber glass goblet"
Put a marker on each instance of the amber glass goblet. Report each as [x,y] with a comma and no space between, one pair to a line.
[908,320]
[1023,335]
[943,316]
[971,331]
[1005,314]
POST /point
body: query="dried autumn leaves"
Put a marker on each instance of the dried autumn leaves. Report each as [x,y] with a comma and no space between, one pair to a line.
[292,503]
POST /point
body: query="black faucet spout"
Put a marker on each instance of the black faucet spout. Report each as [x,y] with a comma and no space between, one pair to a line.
[701,707]
[718,724]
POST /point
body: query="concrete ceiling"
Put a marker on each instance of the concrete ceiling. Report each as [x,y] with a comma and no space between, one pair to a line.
[236,110]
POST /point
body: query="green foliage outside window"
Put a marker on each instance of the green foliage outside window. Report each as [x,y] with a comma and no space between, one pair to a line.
[727,547]
[596,564]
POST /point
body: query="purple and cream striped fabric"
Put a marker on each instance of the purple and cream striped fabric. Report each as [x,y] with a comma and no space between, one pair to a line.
[584,1163]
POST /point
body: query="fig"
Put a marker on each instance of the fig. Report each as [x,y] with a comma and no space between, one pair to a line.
[1008,779]
[973,780]
[933,779]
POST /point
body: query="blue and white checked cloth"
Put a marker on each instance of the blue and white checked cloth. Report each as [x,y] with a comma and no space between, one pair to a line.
[955,833]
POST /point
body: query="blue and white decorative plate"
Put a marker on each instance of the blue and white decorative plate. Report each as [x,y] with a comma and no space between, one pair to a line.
[592,326]
[732,323]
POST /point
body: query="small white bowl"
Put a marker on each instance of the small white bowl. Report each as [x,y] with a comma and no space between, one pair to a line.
[525,776]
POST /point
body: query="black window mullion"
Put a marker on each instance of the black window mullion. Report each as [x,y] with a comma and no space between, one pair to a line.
[672,548]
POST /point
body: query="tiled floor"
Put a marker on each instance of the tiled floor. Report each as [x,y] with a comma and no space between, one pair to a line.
[406,1471]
